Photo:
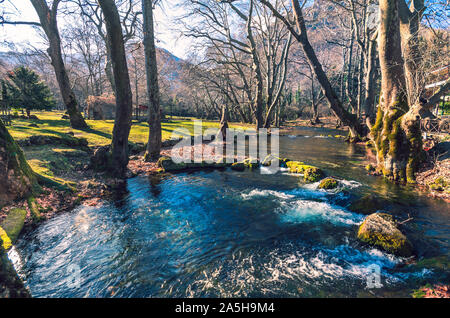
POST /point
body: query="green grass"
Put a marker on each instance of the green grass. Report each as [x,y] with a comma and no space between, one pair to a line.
[54,161]
[100,132]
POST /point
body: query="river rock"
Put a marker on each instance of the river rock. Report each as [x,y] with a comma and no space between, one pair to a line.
[13,223]
[381,230]
[328,184]
[168,165]
[268,161]
[310,173]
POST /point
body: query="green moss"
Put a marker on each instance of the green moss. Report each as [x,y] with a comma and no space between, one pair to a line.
[13,223]
[281,161]
[251,163]
[420,292]
[380,230]
[6,241]
[328,183]
[168,165]
[295,166]
[16,160]
[310,173]
[439,184]
[370,168]
[34,209]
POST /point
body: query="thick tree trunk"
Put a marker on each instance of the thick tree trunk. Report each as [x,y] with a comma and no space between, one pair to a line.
[154,112]
[47,18]
[18,179]
[122,124]
[396,132]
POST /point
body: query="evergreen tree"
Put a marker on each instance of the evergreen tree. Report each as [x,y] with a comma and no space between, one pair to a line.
[25,90]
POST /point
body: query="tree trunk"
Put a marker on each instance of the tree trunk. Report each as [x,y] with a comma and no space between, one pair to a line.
[350,120]
[396,132]
[258,105]
[223,124]
[122,124]
[108,66]
[47,18]
[151,67]
[369,98]
[18,179]
[409,29]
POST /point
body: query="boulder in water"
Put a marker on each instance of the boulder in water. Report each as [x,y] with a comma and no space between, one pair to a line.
[168,165]
[13,223]
[381,230]
[328,184]
[281,161]
[310,173]
[251,163]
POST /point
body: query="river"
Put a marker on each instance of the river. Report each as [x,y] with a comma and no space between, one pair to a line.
[238,234]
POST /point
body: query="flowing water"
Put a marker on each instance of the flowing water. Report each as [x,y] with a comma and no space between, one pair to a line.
[227,233]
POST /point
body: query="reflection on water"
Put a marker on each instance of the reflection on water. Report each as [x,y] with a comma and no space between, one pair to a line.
[226,233]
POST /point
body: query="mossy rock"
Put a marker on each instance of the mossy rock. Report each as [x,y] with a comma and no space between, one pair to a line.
[14,222]
[310,173]
[251,163]
[281,161]
[238,166]
[370,168]
[168,165]
[295,166]
[5,240]
[380,230]
[439,184]
[313,174]
[328,184]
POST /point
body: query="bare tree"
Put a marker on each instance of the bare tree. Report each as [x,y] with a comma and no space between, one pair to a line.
[129,18]
[151,67]
[122,124]
[350,120]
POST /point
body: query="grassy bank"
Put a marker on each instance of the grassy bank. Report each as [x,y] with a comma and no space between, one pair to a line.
[100,132]
[61,162]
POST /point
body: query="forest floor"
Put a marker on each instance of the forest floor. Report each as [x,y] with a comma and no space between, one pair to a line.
[434,173]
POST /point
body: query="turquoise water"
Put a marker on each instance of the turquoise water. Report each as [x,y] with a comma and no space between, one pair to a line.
[229,234]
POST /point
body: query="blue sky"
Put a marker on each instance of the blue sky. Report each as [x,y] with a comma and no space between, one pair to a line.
[165,17]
